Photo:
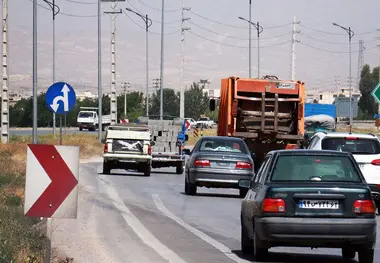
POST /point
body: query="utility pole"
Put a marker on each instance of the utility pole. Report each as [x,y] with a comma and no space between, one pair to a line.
[126,86]
[5,84]
[182,91]
[294,41]
[100,91]
[360,61]
[162,60]
[156,83]
[113,64]
[250,38]
[34,69]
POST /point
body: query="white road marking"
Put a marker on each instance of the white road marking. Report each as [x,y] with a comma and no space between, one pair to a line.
[142,232]
[222,248]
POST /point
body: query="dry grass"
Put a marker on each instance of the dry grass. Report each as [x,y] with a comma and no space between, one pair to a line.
[206,132]
[19,238]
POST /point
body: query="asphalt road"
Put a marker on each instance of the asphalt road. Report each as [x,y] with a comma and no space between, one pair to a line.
[125,217]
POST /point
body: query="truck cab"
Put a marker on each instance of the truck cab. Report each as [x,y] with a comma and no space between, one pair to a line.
[87,120]
[127,146]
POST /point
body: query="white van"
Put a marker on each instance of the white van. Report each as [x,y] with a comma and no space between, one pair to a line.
[127,146]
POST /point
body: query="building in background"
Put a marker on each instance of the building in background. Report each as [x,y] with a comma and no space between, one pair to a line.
[212,93]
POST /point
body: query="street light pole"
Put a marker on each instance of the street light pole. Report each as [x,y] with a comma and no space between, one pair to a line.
[148,22]
[250,38]
[350,36]
[259,30]
[162,61]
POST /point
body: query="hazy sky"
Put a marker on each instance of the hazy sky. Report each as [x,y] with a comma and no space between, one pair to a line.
[215,47]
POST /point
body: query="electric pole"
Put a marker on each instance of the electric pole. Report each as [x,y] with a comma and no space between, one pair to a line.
[360,61]
[162,60]
[126,86]
[5,84]
[294,41]
[113,64]
[182,91]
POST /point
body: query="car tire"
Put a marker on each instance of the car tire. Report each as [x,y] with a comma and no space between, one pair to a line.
[348,253]
[243,192]
[366,255]
[106,168]
[260,252]
[190,189]
[246,242]
[179,169]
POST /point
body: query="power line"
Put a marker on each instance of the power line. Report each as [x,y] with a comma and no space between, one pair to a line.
[331,51]
[156,21]
[82,3]
[159,9]
[224,24]
[333,33]
[241,38]
[229,45]
[155,33]
[64,14]
[329,42]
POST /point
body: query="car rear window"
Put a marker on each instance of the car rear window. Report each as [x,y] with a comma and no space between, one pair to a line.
[315,168]
[222,145]
[352,145]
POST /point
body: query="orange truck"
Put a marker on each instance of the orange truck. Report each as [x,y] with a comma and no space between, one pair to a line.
[267,113]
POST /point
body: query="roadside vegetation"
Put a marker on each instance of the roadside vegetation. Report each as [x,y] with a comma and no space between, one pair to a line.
[22,239]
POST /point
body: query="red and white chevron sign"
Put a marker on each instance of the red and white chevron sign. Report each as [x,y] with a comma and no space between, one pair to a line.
[52,173]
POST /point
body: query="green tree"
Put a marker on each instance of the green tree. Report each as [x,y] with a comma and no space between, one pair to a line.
[368,81]
[170,103]
[135,106]
[196,101]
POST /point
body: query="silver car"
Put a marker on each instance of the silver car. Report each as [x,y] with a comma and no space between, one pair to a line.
[218,162]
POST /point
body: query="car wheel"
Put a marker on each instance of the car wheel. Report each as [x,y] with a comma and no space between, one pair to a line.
[190,189]
[246,242]
[366,255]
[179,169]
[243,192]
[259,251]
[348,253]
[106,168]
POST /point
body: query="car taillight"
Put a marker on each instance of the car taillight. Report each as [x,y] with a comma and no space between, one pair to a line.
[364,207]
[149,150]
[376,162]
[352,138]
[106,147]
[243,165]
[202,163]
[274,205]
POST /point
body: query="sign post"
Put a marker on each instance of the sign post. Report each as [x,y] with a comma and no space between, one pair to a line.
[376,95]
[60,99]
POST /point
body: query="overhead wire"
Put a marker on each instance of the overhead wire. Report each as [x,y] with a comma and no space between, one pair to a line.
[159,9]
[336,43]
[65,14]
[234,26]
[230,45]
[333,33]
[155,33]
[156,21]
[331,51]
[241,38]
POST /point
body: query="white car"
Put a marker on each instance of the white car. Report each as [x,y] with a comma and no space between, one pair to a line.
[364,147]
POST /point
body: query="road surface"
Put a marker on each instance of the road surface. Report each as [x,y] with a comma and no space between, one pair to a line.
[125,217]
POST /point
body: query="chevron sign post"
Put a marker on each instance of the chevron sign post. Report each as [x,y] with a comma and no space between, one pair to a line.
[52,174]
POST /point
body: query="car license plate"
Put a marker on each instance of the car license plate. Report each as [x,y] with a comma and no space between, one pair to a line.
[319,204]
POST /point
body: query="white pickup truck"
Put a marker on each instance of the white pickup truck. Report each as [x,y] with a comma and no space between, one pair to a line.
[205,122]
[88,119]
[127,146]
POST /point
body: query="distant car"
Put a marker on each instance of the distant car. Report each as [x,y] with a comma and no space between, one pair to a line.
[365,149]
[218,162]
[309,198]
[205,122]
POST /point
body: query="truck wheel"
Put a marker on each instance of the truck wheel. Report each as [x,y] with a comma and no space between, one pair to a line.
[80,129]
[147,171]
[179,169]
[243,192]
[366,255]
[106,168]
[348,253]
